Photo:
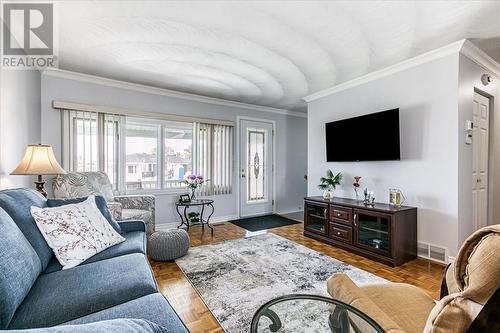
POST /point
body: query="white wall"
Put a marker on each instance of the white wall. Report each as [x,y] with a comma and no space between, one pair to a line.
[290,134]
[470,80]
[427,97]
[19,122]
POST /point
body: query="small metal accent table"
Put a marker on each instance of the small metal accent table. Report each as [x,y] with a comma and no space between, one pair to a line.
[197,202]
[311,313]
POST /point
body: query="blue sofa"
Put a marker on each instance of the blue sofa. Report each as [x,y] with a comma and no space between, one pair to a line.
[35,292]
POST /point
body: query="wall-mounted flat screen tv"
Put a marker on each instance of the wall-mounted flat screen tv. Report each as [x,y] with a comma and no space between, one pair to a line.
[371,137]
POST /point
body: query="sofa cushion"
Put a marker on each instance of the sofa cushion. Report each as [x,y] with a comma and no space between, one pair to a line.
[105,326]
[342,288]
[154,308]
[100,202]
[135,242]
[407,305]
[75,232]
[19,268]
[65,295]
[17,203]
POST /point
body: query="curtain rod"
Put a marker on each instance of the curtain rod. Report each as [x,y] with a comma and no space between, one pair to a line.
[64,105]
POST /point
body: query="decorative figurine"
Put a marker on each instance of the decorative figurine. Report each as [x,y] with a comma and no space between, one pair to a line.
[356,186]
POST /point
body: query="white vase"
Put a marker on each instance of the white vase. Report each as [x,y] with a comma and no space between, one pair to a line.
[327,194]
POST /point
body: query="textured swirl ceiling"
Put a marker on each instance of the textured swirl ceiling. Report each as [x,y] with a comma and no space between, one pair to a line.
[261,52]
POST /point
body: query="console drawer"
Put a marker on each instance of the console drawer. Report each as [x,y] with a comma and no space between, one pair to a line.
[341,214]
[341,232]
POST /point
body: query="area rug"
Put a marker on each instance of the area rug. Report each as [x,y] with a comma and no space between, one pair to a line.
[236,277]
[263,222]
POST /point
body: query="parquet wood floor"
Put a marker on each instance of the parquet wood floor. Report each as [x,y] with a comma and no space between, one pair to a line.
[193,311]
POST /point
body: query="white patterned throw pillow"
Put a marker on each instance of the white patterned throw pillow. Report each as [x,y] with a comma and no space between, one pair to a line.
[75,232]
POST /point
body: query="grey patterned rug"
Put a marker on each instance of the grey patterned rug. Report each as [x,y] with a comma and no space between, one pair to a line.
[236,277]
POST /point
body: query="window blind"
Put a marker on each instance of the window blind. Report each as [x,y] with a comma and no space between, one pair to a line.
[90,143]
[212,157]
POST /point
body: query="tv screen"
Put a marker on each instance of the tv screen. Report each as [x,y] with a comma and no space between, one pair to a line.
[372,137]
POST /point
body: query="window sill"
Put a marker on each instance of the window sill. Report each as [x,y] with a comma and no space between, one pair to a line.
[158,192]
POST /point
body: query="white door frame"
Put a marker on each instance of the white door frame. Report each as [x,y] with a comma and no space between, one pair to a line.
[238,162]
[490,160]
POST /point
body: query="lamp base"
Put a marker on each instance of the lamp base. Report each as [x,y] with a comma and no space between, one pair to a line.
[39,186]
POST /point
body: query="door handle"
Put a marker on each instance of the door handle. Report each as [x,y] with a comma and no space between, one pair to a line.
[355,220]
[242,173]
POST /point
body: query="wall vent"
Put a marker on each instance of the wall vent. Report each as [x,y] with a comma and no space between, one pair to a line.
[432,252]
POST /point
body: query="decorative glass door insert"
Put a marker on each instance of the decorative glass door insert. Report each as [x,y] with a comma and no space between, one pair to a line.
[256,165]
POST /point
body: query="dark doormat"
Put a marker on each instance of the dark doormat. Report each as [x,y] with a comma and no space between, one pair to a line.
[263,222]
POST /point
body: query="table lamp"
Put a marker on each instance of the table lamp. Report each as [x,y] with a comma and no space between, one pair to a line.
[39,160]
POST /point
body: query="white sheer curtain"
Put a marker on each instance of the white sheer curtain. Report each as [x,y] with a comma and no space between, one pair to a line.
[213,157]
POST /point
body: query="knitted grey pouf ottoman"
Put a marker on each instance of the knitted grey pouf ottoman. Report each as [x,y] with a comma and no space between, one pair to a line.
[168,245]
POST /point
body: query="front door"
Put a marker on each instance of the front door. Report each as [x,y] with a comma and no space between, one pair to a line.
[480,143]
[256,167]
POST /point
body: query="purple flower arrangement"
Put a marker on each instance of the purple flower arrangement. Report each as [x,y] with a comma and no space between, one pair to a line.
[193,181]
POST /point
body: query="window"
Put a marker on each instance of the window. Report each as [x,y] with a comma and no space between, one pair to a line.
[141,147]
[146,154]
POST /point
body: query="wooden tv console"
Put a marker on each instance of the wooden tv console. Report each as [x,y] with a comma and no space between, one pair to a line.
[381,232]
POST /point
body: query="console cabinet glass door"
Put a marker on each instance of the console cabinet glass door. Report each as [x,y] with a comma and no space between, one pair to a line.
[316,218]
[373,231]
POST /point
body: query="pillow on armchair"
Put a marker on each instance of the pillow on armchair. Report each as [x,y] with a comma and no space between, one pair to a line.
[122,207]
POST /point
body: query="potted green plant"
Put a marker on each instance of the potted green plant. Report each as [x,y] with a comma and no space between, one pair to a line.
[329,183]
[194,217]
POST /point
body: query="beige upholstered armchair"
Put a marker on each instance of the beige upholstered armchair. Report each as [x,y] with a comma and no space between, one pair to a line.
[126,207]
[470,297]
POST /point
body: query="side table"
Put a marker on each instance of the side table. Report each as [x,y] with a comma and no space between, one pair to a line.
[193,203]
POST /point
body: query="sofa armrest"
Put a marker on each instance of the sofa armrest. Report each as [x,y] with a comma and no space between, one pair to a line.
[123,325]
[116,209]
[144,202]
[341,288]
[132,225]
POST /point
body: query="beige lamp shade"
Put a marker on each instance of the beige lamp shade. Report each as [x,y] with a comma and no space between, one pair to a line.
[38,160]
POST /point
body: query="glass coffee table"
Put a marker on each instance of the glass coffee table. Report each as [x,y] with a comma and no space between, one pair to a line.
[311,313]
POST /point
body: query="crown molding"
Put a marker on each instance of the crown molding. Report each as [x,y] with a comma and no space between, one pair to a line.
[480,57]
[400,66]
[59,73]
